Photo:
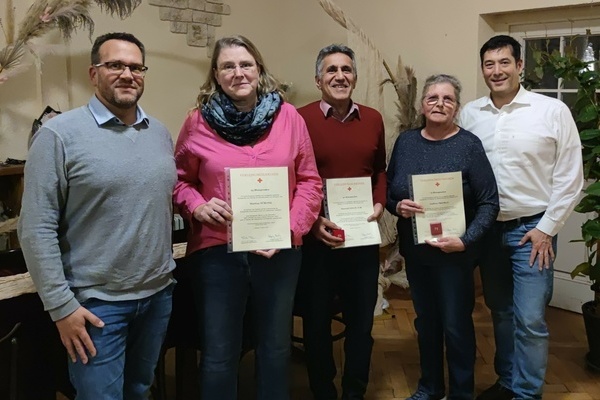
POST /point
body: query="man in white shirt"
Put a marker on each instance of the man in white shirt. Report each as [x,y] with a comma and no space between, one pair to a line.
[533,145]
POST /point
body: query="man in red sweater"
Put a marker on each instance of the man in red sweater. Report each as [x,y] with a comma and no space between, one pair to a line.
[348,140]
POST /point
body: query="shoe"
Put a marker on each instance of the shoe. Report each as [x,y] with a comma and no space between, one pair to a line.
[496,392]
[421,395]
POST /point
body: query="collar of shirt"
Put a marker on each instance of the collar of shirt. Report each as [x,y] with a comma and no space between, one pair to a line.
[103,116]
[520,99]
[327,109]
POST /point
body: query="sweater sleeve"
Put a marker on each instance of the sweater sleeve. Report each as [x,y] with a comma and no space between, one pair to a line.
[308,193]
[186,195]
[391,202]
[485,192]
[379,177]
[44,197]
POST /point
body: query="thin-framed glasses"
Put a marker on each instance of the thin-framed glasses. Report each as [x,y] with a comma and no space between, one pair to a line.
[446,100]
[117,67]
[229,69]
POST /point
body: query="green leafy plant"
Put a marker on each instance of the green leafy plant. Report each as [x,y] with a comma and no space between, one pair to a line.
[586,111]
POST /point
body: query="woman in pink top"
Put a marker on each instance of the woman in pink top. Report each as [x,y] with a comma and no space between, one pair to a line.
[241,120]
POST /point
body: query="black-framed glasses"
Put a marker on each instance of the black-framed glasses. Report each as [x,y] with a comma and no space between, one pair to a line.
[117,67]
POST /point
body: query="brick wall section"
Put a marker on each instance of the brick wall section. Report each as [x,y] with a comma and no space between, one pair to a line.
[197,19]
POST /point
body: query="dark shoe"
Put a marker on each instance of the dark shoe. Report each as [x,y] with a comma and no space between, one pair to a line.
[496,392]
[421,395]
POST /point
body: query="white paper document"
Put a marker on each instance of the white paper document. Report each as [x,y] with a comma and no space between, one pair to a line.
[259,199]
[441,196]
[348,204]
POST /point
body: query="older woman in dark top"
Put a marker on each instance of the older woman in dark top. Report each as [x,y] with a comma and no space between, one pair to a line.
[440,272]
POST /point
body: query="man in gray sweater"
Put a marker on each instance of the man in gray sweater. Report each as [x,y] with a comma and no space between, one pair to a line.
[95,227]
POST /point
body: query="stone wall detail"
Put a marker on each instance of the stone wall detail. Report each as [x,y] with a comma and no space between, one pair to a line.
[197,19]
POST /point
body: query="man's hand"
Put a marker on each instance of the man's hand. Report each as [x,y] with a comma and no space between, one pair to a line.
[266,253]
[407,208]
[321,230]
[447,244]
[214,212]
[74,335]
[377,212]
[541,247]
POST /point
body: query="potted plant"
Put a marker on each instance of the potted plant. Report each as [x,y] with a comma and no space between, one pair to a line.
[586,111]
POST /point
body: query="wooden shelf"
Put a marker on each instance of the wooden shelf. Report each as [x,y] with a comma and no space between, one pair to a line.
[11,170]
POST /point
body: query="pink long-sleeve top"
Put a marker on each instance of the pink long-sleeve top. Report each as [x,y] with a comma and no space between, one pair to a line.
[201,156]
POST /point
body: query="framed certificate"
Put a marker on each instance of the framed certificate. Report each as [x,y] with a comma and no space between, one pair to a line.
[348,203]
[441,196]
[259,199]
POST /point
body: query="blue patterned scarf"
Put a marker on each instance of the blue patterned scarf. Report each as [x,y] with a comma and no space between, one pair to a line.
[239,127]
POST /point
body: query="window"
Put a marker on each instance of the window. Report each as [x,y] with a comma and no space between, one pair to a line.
[566,39]
[548,84]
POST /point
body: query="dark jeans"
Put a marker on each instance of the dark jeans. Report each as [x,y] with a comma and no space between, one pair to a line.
[443,297]
[353,273]
[222,283]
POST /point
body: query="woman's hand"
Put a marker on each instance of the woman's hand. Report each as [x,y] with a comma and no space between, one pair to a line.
[447,244]
[321,230]
[377,212]
[407,208]
[214,212]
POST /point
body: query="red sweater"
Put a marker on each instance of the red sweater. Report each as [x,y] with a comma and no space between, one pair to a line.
[349,149]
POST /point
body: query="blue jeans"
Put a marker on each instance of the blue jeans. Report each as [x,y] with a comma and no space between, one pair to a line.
[223,283]
[517,296]
[443,297]
[128,347]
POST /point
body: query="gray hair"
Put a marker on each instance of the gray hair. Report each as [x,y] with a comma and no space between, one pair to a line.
[333,49]
[442,78]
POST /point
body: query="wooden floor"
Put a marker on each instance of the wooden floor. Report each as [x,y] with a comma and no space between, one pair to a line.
[395,363]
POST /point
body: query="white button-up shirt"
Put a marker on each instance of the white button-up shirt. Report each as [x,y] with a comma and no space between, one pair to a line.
[535,151]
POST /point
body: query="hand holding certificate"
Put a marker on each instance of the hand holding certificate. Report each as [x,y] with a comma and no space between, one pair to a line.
[441,196]
[259,199]
[348,204]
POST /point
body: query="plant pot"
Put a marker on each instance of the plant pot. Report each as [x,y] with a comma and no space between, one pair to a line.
[591,320]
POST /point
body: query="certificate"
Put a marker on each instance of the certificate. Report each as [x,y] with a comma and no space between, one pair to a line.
[441,196]
[259,200]
[348,204]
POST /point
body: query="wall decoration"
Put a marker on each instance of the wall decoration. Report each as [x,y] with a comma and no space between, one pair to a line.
[197,19]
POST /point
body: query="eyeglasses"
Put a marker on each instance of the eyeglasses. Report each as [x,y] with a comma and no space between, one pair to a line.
[229,69]
[446,100]
[117,67]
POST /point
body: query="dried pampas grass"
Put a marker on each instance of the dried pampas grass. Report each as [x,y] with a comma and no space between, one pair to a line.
[68,16]
[122,8]
[44,16]
[404,80]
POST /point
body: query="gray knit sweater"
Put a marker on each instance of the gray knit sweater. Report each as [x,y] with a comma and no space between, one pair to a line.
[96,214]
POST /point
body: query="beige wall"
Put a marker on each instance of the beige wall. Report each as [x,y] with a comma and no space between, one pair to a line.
[432,37]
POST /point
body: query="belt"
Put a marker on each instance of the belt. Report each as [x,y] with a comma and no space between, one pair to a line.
[521,220]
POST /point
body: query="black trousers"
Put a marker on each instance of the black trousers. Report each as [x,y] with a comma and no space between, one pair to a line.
[352,274]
